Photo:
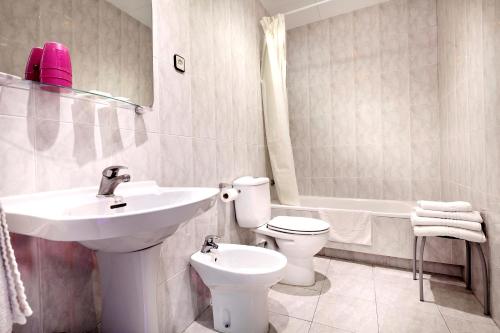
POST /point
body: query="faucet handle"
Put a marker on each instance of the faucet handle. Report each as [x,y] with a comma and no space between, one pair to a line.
[211,238]
[112,171]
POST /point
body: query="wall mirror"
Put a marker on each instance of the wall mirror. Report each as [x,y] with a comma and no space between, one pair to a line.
[110,42]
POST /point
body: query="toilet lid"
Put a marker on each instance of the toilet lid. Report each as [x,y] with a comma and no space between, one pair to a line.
[298,225]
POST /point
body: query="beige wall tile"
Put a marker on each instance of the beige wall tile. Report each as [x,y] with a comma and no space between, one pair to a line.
[382,65]
[467,80]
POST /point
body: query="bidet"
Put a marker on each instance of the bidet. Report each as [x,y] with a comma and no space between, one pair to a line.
[239,278]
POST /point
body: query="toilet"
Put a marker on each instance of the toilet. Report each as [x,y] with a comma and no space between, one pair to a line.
[298,238]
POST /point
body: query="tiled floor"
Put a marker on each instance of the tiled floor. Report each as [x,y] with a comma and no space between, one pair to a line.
[352,297]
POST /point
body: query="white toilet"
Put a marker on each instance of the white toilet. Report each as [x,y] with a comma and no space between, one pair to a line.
[298,238]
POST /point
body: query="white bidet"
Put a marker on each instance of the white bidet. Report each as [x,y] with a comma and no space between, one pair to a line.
[239,278]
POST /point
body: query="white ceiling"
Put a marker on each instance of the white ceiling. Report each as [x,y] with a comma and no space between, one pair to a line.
[139,9]
[301,12]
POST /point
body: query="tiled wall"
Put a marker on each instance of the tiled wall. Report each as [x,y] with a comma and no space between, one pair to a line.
[220,139]
[110,50]
[469,65]
[206,126]
[364,114]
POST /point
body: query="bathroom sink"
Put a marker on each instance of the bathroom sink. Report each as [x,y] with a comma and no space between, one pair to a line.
[141,215]
[126,229]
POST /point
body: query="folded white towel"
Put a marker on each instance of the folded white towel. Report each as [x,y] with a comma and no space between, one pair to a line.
[437,231]
[454,206]
[14,307]
[431,221]
[348,226]
[473,216]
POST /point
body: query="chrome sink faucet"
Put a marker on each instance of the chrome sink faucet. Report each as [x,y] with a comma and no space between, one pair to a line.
[209,244]
[110,180]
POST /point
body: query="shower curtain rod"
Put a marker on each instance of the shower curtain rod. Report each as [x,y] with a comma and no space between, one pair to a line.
[306,7]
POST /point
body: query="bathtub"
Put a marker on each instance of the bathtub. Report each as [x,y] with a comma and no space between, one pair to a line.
[392,234]
[387,208]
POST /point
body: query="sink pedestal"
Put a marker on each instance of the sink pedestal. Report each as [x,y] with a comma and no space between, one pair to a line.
[128,284]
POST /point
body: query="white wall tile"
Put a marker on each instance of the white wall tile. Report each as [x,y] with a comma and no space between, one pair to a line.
[17,102]
[180,301]
[321,162]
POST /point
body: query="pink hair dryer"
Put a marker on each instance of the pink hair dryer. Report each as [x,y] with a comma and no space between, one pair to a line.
[55,65]
[32,71]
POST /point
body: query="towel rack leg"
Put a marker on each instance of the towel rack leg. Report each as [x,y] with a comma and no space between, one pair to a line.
[415,241]
[421,273]
[468,269]
[486,283]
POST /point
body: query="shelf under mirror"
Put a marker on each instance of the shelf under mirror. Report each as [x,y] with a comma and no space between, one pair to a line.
[18,83]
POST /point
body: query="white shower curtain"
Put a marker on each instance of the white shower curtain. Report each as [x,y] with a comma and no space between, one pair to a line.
[275,101]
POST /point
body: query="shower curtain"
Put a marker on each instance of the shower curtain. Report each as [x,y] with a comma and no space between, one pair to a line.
[275,102]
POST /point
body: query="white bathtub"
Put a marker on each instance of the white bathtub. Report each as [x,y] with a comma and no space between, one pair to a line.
[392,233]
[387,208]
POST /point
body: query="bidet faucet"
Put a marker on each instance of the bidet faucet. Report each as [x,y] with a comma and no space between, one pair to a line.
[209,243]
[110,180]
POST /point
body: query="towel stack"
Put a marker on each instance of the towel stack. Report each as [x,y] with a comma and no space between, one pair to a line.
[452,218]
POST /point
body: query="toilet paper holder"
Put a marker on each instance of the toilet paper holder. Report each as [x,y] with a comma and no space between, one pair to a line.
[224,185]
[228,193]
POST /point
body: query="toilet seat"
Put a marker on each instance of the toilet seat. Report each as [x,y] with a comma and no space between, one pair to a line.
[298,225]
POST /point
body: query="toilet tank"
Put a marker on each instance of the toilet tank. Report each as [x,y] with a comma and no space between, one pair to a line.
[253,204]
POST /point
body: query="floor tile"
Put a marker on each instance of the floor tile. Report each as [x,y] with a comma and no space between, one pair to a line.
[350,279]
[391,273]
[203,324]
[350,297]
[320,328]
[398,286]
[403,277]
[293,301]
[459,325]
[284,324]
[396,318]
[341,267]
[461,304]
[405,293]
[441,293]
[347,313]
[321,264]
[277,324]
[351,285]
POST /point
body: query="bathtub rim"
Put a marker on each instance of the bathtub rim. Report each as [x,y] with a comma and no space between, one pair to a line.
[277,205]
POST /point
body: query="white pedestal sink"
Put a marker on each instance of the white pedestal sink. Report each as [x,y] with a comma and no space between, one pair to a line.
[126,231]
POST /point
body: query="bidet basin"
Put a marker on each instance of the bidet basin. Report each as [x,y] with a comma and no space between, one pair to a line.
[141,214]
[239,278]
[233,264]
